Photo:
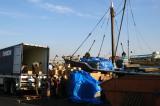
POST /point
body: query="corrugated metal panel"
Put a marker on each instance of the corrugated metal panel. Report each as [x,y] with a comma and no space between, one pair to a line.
[17,59]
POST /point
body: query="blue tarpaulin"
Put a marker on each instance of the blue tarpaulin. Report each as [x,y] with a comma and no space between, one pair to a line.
[99,63]
[83,88]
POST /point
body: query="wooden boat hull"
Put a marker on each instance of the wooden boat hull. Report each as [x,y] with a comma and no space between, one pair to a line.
[133,90]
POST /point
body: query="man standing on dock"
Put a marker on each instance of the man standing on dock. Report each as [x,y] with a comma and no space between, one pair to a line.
[36,84]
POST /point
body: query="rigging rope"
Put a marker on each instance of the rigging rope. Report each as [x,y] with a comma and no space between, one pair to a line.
[106,24]
[120,25]
[139,33]
[132,13]
[91,46]
[128,35]
[119,5]
[116,24]
[90,33]
[101,46]
[100,20]
[81,44]
[119,12]
[141,37]
[128,26]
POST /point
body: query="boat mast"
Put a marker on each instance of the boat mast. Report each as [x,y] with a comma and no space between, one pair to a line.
[112,33]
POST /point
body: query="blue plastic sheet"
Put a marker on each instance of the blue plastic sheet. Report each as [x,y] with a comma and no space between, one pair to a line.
[83,88]
[99,63]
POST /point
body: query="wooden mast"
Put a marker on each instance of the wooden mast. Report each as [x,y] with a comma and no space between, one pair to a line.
[112,33]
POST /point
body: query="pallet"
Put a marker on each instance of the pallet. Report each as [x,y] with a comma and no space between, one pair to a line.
[31,97]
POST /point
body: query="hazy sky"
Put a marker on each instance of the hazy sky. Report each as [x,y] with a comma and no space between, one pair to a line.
[63,24]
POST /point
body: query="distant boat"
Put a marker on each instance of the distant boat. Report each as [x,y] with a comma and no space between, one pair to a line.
[146,60]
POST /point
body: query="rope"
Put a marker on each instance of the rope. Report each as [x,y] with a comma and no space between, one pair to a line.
[119,12]
[90,33]
[101,46]
[132,13]
[82,44]
[91,46]
[120,25]
[128,35]
[136,28]
[119,5]
[100,20]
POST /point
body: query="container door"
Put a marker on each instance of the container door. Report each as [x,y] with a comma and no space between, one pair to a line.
[17,59]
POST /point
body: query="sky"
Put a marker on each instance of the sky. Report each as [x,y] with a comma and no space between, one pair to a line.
[64,24]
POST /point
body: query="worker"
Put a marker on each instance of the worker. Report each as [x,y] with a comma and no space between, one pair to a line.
[123,54]
[48,83]
[87,55]
[124,59]
[35,68]
[40,67]
[43,89]
[36,84]
[63,87]
[24,68]
[53,86]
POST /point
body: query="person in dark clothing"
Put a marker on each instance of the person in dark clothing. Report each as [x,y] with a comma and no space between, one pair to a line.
[53,87]
[123,54]
[87,55]
[48,87]
[63,87]
[43,87]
